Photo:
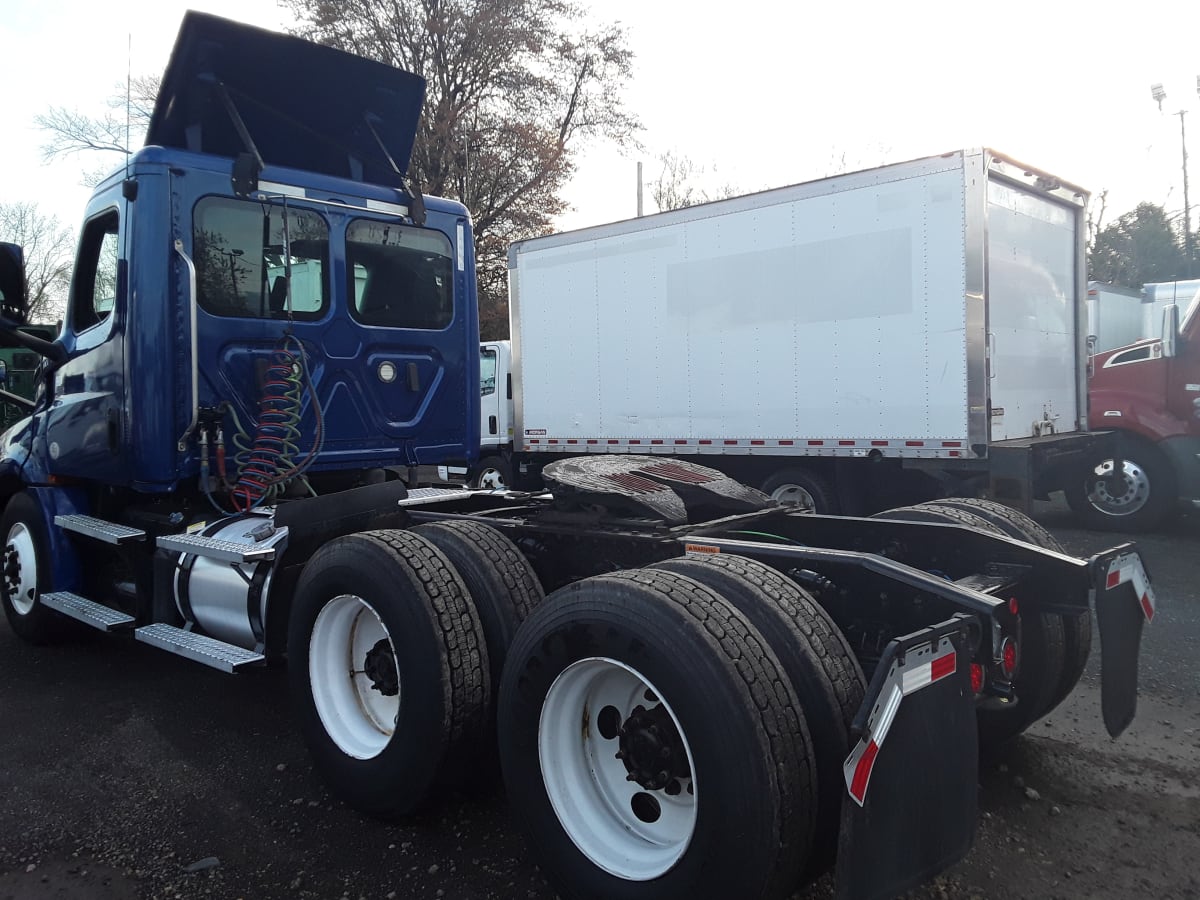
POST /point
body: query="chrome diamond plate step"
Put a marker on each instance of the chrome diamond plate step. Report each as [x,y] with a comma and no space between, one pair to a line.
[87,611]
[213,548]
[90,526]
[433,495]
[197,647]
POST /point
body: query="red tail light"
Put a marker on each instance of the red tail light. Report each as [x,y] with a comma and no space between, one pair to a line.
[976,678]
[1013,606]
[1008,656]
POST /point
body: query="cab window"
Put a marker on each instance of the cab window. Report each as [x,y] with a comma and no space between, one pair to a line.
[400,277]
[94,283]
[244,250]
[487,371]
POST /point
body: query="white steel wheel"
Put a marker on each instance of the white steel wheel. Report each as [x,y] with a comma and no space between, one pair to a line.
[353,676]
[20,568]
[625,794]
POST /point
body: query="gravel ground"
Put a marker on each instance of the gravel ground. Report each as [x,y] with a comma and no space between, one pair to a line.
[129,773]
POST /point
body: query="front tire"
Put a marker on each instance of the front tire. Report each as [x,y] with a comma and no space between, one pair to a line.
[1140,498]
[387,667]
[711,795]
[492,473]
[27,573]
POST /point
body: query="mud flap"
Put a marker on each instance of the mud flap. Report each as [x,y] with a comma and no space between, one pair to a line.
[912,779]
[1124,600]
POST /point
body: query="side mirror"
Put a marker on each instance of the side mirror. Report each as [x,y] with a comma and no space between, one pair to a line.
[1170,330]
[3,372]
[13,302]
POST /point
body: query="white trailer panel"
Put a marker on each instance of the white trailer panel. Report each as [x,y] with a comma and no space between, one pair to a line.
[840,317]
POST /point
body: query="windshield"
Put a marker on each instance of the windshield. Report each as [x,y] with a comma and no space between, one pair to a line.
[1193,310]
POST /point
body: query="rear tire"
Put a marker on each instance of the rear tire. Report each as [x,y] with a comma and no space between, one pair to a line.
[390,604]
[803,489]
[605,654]
[1043,662]
[500,582]
[1077,630]
[824,673]
[27,574]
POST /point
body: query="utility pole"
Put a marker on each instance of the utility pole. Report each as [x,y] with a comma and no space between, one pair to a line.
[1158,94]
[1187,209]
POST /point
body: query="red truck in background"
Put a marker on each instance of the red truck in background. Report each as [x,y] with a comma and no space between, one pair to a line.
[1149,393]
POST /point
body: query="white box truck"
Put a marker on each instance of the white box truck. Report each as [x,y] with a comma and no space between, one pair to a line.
[1117,316]
[844,344]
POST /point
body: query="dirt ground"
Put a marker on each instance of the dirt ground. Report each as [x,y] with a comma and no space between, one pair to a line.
[128,773]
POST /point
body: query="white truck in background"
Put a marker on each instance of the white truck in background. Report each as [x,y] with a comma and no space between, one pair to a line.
[1119,316]
[845,345]
[1116,316]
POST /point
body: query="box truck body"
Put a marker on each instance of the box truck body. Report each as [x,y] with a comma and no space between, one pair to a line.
[927,315]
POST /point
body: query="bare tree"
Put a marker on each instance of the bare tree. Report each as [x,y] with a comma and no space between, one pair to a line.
[514,88]
[49,248]
[116,130]
[678,185]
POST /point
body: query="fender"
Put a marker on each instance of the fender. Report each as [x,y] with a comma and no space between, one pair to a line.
[1116,409]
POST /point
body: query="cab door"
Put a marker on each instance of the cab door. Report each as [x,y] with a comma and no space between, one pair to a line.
[85,420]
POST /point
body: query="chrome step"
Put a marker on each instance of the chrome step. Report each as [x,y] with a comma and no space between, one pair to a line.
[90,526]
[214,548]
[433,495]
[87,611]
[197,647]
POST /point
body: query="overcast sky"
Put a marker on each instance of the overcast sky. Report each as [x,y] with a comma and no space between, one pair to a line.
[764,93]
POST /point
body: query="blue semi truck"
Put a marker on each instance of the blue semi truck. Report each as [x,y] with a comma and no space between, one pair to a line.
[691,689]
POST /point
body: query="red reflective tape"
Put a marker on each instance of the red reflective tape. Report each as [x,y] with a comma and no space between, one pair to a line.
[1114,578]
[816,443]
[572,441]
[951,443]
[879,443]
[955,453]
[730,443]
[704,441]
[657,441]
[534,441]
[679,441]
[552,441]
[1147,607]
[635,441]
[788,443]
[846,443]
[757,443]
[611,441]
[914,443]
[862,772]
[943,666]
[593,441]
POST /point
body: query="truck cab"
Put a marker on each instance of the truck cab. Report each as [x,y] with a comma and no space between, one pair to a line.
[1148,393]
[247,280]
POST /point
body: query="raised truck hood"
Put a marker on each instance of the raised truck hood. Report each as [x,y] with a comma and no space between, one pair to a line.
[304,105]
